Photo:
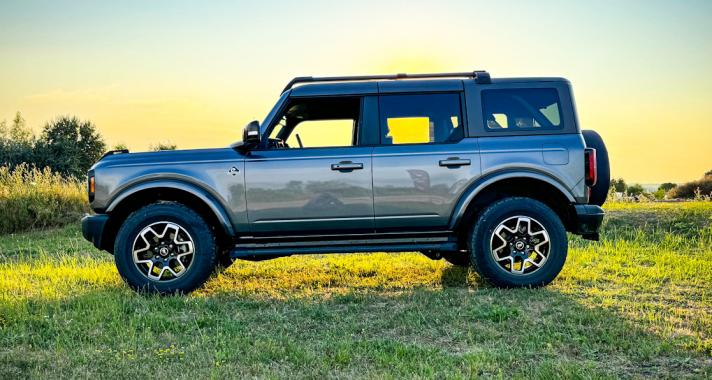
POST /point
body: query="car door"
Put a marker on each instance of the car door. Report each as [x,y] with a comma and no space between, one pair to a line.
[424,161]
[315,178]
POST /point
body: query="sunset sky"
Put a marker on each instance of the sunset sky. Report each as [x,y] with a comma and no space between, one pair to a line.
[193,73]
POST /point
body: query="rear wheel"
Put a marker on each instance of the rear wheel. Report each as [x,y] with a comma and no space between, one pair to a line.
[518,242]
[165,248]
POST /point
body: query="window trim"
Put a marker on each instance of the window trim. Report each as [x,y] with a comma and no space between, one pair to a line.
[275,121]
[382,129]
[540,130]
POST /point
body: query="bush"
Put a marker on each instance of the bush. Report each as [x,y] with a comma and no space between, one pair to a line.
[32,198]
[694,189]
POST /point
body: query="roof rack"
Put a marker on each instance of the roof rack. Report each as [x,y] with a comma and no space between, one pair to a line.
[480,76]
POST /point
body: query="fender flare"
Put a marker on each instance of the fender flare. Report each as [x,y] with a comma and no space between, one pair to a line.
[478,186]
[215,206]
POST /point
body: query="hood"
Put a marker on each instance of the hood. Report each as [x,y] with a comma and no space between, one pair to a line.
[168,157]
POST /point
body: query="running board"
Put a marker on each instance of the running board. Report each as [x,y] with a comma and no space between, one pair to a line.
[343,246]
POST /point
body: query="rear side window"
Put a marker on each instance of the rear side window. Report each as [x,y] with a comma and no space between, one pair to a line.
[527,109]
[420,119]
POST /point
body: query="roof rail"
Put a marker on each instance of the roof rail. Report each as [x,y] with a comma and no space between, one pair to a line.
[480,76]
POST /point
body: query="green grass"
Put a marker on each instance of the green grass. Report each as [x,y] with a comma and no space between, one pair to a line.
[31,198]
[637,304]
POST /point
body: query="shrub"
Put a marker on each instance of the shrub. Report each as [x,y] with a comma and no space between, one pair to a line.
[31,198]
[694,189]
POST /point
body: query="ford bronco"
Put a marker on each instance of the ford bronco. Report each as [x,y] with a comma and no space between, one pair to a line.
[487,173]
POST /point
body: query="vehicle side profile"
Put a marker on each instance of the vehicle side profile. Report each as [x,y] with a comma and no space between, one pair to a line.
[483,172]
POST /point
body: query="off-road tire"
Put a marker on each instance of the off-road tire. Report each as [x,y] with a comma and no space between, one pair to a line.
[480,241]
[204,245]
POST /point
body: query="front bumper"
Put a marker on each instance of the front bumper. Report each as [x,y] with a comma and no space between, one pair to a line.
[587,220]
[93,228]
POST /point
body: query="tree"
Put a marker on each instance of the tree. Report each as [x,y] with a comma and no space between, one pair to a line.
[162,146]
[709,173]
[69,146]
[19,131]
[667,186]
[120,146]
[619,185]
[635,189]
[16,142]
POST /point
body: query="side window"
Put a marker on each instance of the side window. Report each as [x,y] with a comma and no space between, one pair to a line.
[521,109]
[322,133]
[420,119]
[317,123]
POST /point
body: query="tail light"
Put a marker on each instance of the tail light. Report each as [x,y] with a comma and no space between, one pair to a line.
[590,165]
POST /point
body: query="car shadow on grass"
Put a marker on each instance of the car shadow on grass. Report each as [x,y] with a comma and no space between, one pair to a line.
[458,326]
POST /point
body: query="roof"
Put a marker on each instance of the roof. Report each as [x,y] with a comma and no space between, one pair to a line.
[347,85]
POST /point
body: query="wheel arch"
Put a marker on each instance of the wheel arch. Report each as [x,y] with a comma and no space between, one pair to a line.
[500,185]
[142,194]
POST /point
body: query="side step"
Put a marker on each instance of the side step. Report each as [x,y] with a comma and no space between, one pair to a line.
[343,246]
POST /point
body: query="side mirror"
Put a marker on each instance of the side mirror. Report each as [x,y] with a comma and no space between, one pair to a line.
[250,136]
[251,133]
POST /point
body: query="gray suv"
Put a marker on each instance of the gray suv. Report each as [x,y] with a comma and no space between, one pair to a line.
[481,172]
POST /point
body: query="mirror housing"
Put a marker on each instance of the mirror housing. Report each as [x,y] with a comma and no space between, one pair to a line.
[251,136]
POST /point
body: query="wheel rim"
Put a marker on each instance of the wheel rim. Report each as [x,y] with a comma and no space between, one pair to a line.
[163,251]
[520,245]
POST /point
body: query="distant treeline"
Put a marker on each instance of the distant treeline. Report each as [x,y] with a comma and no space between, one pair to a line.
[67,145]
[697,189]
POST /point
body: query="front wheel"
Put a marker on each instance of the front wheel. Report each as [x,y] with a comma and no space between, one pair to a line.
[518,242]
[165,248]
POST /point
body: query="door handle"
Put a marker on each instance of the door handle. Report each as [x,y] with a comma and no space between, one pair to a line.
[347,166]
[454,162]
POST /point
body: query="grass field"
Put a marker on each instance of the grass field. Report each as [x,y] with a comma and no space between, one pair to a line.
[637,304]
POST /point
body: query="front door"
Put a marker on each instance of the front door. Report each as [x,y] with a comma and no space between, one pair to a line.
[313,175]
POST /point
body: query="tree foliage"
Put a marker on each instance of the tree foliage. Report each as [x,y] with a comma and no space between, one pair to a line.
[694,189]
[16,142]
[67,145]
[635,189]
[162,146]
[120,146]
[618,185]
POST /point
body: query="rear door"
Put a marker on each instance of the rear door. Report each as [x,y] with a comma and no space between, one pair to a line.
[423,161]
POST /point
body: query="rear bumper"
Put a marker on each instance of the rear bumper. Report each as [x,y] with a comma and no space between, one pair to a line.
[587,221]
[93,228]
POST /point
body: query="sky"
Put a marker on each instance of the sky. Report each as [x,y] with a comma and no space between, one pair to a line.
[193,73]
